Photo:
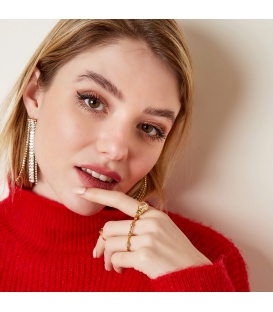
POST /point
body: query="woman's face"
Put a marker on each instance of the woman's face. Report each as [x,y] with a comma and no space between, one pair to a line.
[103,122]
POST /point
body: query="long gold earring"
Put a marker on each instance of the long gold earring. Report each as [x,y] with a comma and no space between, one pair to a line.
[142,191]
[29,151]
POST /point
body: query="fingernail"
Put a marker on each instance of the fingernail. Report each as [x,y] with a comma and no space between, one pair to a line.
[79,190]
[106,268]
[94,253]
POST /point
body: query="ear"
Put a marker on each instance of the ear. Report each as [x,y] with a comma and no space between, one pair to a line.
[31,95]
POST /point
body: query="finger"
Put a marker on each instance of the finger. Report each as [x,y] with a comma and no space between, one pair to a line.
[119,270]
[99,247]
[116,228]
[122,228]
[123,260]
[113,199]
[111,229]
[138,245]
[112,245]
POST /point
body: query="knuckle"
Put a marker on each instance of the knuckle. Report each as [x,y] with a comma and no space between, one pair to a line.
[153,225]
[109,246]
[115,258]
[148,240]
[107,226]
[144,255]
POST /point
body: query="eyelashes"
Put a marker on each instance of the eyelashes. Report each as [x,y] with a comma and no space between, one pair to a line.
[151,132]
[95,104]
[91,102]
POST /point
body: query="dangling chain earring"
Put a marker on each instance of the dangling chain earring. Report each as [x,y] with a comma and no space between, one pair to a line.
[32,163]
[29,150]
[142,191]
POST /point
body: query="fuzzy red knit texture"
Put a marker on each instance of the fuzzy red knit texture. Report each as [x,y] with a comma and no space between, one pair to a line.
[46,247]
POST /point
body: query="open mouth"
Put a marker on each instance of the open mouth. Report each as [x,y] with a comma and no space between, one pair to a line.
[93,177]
[98,176]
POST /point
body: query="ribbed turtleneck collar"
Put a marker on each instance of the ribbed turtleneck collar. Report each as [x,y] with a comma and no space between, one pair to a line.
[39,221]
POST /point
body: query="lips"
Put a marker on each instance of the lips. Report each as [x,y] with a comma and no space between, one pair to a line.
[97,177]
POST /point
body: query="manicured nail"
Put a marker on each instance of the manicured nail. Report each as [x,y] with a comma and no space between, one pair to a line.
[79,190]
[94,253]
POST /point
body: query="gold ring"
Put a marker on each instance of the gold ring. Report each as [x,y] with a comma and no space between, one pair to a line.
[128,244]
[101,234]
[130,234]
[142,207]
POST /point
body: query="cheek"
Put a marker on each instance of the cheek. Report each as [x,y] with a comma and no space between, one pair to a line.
[146,160]
[60,132]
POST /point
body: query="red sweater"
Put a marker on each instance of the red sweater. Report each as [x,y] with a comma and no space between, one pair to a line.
[46,247]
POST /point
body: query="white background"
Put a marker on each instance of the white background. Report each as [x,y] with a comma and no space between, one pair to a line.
[225,177]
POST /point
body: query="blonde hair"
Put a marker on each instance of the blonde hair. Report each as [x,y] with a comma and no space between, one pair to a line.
[69,38]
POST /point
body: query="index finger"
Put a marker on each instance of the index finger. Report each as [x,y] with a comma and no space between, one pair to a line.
[113,199]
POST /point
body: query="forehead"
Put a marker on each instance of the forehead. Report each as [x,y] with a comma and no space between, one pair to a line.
[131,66]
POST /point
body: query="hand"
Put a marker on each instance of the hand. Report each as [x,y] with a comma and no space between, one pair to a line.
[158,246]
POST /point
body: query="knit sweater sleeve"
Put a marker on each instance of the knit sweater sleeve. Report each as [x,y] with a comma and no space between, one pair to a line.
[227,273]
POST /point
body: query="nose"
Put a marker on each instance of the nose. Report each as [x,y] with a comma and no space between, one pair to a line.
[113,141]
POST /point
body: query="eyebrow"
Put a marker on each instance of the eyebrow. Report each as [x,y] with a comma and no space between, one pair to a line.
[102,81]
[166,113]
[109,86]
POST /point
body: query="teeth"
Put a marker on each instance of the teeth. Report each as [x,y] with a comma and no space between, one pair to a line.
[103,177]
[98,176]
[94,174]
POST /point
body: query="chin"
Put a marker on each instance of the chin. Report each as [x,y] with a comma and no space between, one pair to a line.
[82,206]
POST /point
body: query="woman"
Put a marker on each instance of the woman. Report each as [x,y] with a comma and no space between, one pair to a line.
[98,117]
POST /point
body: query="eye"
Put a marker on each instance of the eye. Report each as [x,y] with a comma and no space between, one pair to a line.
[151,132]
[149,129]
[91,102]
[94,103]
